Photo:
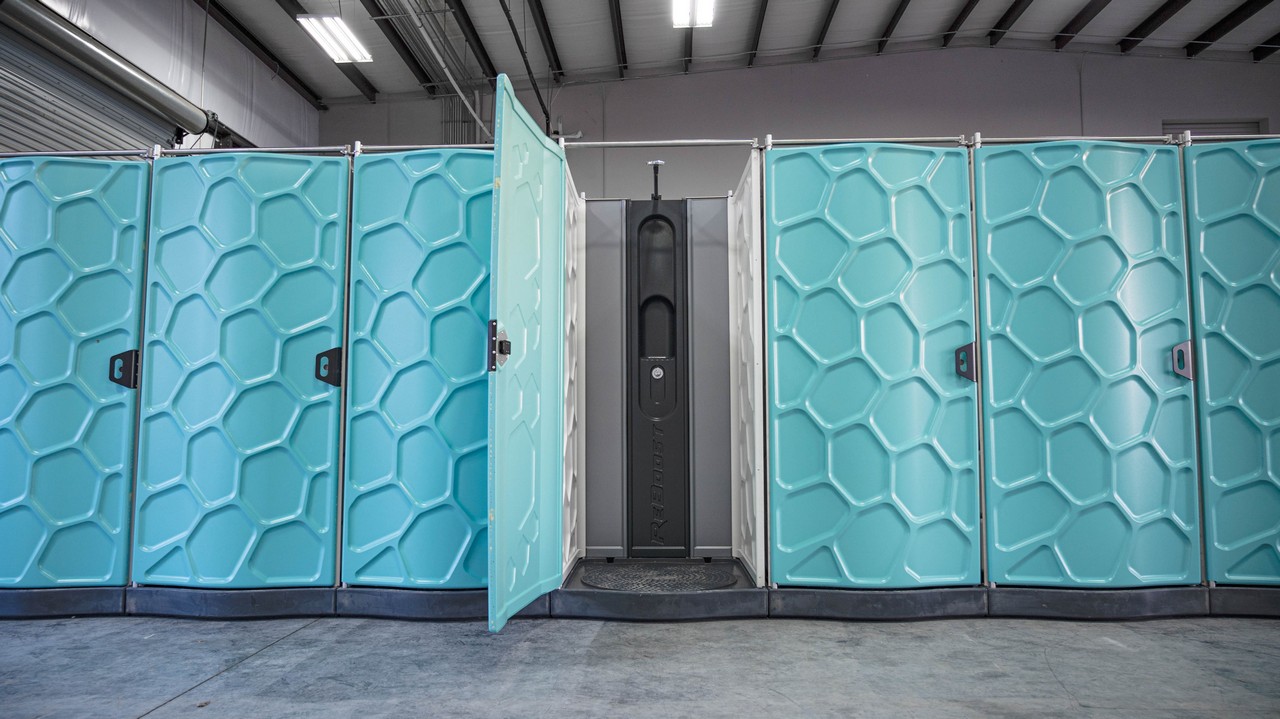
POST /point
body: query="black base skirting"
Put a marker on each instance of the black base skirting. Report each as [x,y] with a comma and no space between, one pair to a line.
[878,604]
[1245,601]
[230,603]
[428,604]
[581,603]
[577,601]
[1144,603]
[60,602]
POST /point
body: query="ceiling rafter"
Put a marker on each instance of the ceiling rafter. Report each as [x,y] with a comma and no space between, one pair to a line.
[619,41]
[688,50]
[548,42]
[1078,23]
[755,41]
[1008,20]
[956,24]
[893,25]
[826,27]
[1151,23]
[1233,20]
[1267,48]
[473,40]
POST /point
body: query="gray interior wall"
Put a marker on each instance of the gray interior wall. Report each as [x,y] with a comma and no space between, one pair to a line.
[709,373]
[605,398]
[936,92]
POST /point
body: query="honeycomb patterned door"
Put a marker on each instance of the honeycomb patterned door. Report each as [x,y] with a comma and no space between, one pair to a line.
[71,234]
[1091,458]
[526,427]
[872,433]
[238,442]
[1233,190]
[415,494]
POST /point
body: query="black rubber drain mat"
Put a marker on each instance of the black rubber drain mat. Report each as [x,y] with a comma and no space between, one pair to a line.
[657,577]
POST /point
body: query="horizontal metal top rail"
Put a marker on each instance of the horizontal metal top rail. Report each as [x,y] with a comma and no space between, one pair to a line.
[1228,138]
[406,148]
[953,139]
[79,153]
[1166,139]
[327,150]
[660,143]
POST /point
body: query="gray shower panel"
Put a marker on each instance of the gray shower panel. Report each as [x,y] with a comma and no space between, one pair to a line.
[605,381]
[606,395]
[710,420]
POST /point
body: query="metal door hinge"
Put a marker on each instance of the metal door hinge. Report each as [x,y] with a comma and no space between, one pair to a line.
[122,369]
[499,346]
[329,367]
[1183,364]
[965,365]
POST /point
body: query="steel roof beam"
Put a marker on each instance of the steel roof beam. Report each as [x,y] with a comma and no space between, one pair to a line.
[826,27]
[1008,20]
[1233,20]
[893,25]
[1078,23]
[1152,23]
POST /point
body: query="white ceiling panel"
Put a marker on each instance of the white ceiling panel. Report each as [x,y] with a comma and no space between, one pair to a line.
[286,39]
[652,44]
[583,33]
[1043,20]
[1118,19]
[495,32]
[858,23]
[1255,31]
[1192,20]
[730,35]
[982,19]
[927,20]
[791,26]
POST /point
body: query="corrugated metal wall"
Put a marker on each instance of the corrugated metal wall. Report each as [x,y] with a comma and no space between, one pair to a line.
[49,106]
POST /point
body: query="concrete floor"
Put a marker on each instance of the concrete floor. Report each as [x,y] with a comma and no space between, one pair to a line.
[138,666]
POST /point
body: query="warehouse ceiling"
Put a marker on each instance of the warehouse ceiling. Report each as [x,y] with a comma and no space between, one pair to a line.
[440,45]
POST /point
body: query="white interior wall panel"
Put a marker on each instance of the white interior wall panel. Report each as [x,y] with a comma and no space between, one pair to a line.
[167,39]
[746,366]
[573,525]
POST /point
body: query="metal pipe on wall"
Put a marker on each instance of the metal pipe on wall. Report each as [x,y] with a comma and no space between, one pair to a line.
[52,32]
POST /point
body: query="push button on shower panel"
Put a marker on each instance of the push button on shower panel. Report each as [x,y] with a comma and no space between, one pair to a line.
[657,373]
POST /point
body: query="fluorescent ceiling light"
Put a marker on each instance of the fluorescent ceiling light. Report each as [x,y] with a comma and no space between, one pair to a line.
[332,34]
[692,13]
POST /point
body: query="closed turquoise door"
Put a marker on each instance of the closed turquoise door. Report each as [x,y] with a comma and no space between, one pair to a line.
[415,495]
[238,444]
[1233,197]
[71,235]
[1090,452]
[872,432]
[526,397]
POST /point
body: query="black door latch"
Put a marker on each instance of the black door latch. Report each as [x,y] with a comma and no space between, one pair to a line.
[329,367]
[122,369]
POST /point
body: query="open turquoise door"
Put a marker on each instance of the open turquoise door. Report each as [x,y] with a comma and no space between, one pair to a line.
[525,427]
